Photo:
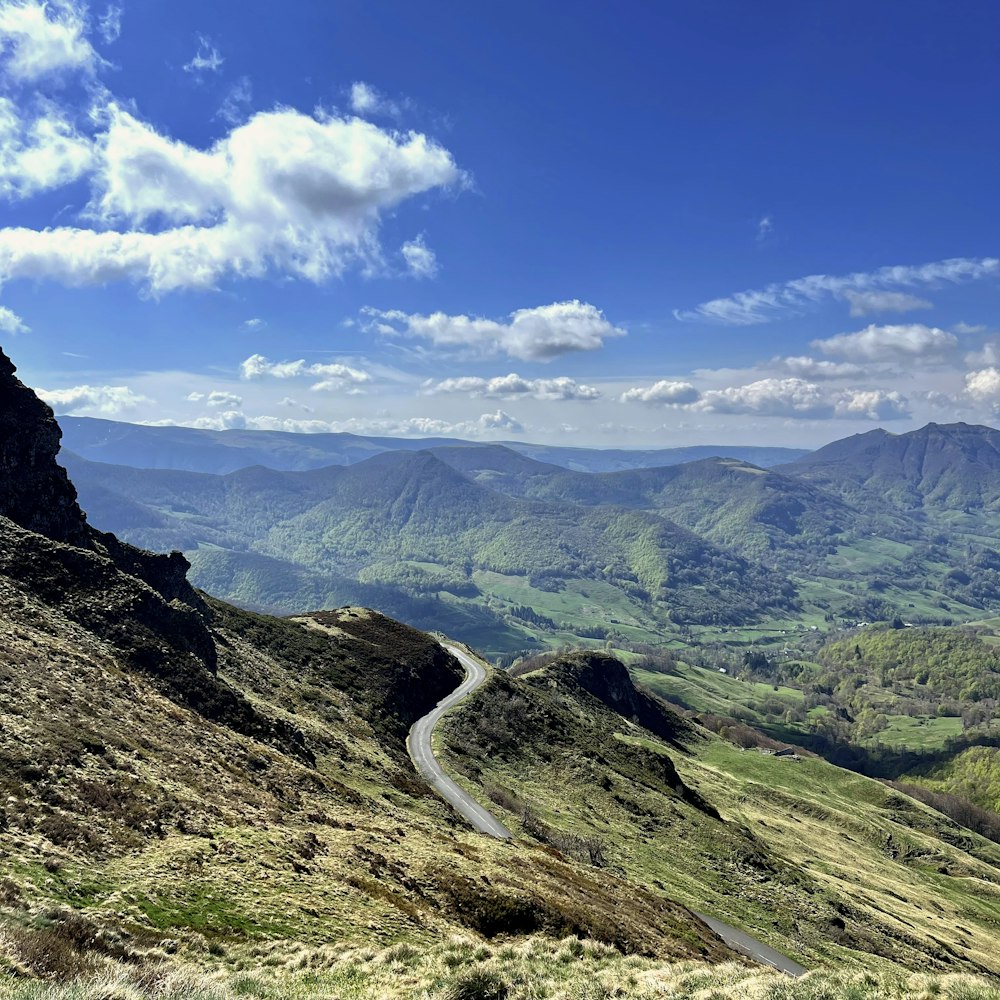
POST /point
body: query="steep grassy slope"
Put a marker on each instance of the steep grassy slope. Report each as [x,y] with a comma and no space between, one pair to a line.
[821,863]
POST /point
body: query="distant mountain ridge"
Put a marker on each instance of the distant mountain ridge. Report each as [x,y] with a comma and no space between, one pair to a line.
[951,466]
[219,452]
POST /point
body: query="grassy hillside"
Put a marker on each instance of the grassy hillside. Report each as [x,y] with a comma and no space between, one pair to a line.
[826,865]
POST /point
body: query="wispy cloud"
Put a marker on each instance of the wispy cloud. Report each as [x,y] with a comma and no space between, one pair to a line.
[865,303]
[206,60]
[109,24]
[765,227]
[761,305]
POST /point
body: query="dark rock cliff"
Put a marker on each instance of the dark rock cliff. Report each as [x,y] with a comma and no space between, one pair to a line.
[139,602]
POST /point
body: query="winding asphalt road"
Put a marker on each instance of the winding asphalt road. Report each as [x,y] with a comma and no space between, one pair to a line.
[418,743]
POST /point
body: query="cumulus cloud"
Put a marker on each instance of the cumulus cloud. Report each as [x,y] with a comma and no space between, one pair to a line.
[219,398]
[865,303]
[285,191]
[760,305]
[206,60]
[41,152]
[107,400]
[513,386]
[806,367]
[255,323]
[11,323]
[331,376]
[983,384]
[421,261]
[666,392]
[42,39]
[889,343]
[228,420]
[538,334]
[797,398]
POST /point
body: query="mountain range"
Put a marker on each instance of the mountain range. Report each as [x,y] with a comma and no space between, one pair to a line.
[513,553]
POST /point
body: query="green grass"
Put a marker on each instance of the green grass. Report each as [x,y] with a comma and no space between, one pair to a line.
[926,732]
[464,969]
[706,690]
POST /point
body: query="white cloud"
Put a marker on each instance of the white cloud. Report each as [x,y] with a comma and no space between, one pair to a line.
[421,261]
[332,376]
[366,100]
[983,384]
[797,398]
[805,367]
[969,327]
[538,334]
[666,392]
[760,305]
[219,398]
[865,303]
[228,420]
[107,400]
[109,24]
[41,153]
[253,324]
[206,59]
[285,192]
[765,226]
[513,386]
[889,343]
[487,425]
[11,323]
[39,39]
[195,397]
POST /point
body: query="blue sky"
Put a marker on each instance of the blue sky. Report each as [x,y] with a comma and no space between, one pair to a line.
[605,224]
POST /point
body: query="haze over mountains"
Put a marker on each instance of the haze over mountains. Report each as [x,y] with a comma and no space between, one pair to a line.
[199,450]
[511,551]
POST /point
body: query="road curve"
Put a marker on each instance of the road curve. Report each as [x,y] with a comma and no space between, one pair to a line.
[418,744]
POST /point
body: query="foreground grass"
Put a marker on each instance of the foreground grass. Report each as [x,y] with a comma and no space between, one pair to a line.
[462,969]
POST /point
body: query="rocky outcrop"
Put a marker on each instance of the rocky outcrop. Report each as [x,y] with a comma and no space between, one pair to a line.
[607,679]
[34,491]
[138,602]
